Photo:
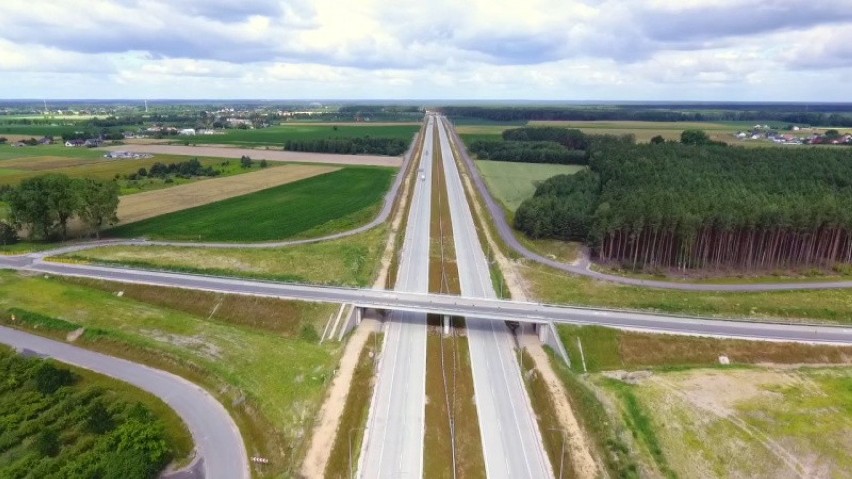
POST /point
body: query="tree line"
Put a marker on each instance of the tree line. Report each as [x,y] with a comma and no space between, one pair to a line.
[350,146]
[535,145]
[703,205]
[54,426]
[821,115]
[43,205]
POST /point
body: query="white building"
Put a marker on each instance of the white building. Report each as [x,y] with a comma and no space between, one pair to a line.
[187,132]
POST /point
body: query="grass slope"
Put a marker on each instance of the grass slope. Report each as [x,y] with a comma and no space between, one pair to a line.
[282,212]
[512,183]
[350,261]
[830,305]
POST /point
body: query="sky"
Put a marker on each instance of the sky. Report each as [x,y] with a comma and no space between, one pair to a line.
[637,50]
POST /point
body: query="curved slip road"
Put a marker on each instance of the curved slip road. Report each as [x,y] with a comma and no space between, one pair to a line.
[507,234]
[217,440]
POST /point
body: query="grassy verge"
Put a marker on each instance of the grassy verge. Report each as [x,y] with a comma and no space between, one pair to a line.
[343,458]
[606,438]
[554,438]
[450,397]
[641,425]
[742,422]
[303,208]
[239,364]
[611,349]
[548,285]
[731,276]
[350,261]
[443,269]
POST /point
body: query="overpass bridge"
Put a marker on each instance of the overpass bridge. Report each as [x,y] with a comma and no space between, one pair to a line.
[485,308]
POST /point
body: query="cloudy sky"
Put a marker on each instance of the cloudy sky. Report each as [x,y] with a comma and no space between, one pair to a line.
[797,50]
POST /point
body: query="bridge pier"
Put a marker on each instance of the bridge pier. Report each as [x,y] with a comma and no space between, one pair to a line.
[446,321]
[351,322]
[548,336]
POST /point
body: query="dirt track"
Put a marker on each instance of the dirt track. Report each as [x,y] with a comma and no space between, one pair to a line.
[259,154]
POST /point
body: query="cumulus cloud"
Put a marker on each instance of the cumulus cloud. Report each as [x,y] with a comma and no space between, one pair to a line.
[410,48]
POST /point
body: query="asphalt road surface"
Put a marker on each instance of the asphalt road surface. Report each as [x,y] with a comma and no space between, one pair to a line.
[511,441]
[506,233]
[393,440]
[217,439]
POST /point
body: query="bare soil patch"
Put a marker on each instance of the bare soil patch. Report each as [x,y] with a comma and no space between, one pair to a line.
[260,153]
[145,205]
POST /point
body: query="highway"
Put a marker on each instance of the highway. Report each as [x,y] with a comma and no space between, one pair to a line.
[217,440]
[511,441]
[507,234]
[393,440]
[492,309]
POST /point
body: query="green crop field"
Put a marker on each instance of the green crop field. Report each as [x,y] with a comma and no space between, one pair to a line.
[512,183]
[38,131]
[344,197]
[9,152]
[278,135]
[17,164]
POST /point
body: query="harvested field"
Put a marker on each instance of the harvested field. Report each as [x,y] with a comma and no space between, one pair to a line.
[141,206]
[258,154]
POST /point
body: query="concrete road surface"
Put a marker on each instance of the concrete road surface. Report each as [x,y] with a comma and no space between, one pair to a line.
[491,309]
[393,440]
[217,439]
[511,441]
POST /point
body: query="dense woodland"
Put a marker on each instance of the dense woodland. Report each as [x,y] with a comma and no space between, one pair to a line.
[701,206]
[816,115]
[53,425]
[536,145]
[43,205]
[350,146]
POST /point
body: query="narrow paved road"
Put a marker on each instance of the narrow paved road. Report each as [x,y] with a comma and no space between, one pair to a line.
[511,441]
[217,439]
[491,309]
[506,233]
[393,441]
